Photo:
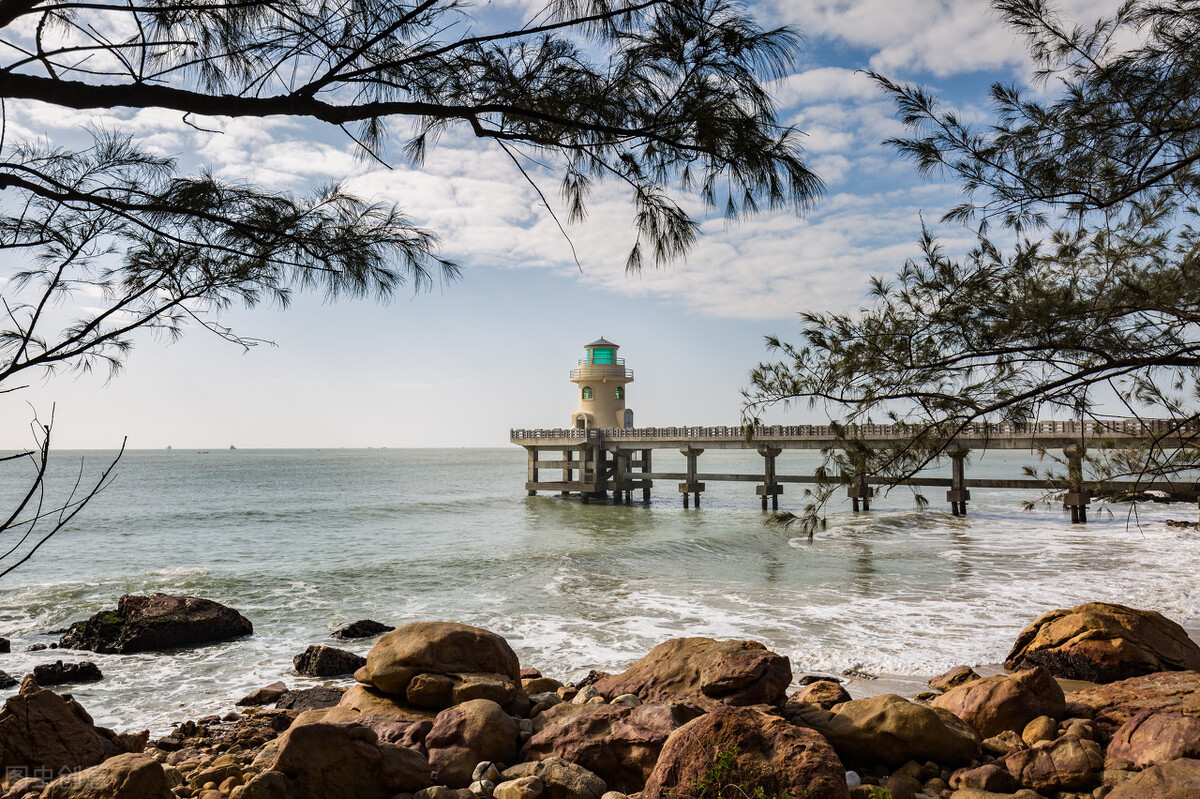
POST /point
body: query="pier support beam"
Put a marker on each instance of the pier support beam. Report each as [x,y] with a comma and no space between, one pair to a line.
[568,464]
[646,470]
[1077,497]
[621,490]
[691,486]
[859,492]
[958,494]
[532,472]
[769,488]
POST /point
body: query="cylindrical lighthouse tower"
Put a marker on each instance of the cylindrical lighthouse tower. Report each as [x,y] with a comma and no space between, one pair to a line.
[602,378]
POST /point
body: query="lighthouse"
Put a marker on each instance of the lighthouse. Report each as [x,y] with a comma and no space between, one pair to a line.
[601,377]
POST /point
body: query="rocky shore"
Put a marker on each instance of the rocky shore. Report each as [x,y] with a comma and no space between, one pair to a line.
[439,710]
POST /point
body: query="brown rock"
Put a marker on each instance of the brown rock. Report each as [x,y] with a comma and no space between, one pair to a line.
[1004,743]
[339,761]
[60,673]
[1066,764]
[561,779]
[1179,779]
[704,671]
[438,648]
[392,720]
[618,743]
[318,696]
[327,661]
[959,675]
[40,729]
[466,734]
[1101,642]
[1150,738]
[823,693]
[540,685]
[743,747]
[1005,702]
[1043,728]
[161,621]
[891,730]
[1110,706]
[263,696]
[985,778]
[128,776]
[363,628]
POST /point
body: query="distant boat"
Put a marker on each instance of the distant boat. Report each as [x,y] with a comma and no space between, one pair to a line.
[231,446]
[168,447]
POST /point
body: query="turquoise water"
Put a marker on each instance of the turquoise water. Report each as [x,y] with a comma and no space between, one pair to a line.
[302,541]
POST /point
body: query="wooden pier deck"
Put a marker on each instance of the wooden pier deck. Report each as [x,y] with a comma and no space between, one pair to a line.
[595,463]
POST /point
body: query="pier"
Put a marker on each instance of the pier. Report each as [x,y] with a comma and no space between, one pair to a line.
[604,463]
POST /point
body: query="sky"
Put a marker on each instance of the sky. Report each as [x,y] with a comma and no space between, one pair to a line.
[461,364]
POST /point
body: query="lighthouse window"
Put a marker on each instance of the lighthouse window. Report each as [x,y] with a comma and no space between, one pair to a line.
[620,392]
[588,393]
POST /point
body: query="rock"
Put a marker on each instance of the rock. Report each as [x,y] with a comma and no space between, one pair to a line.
[161,621]
[540,685]
[264,696]
[619,743]
[327,661]
[465,734]
[1101,642]
[338,761]
[36,648]
[393,721]
[363,628]
[1043,728]
[7,680]
[486,771]
[985,778]
[704,671]
[477,663]
[314,698]
[1066,764]
[1003,744]
[1110,706]
[1179,779]
[1151,737]
[5,646]
[41,730]
[1005,702]
[823,693]
[891,730]
[58,673]
[24,786]
[128,776]
[959,675]
[749,749]
[521,788]
[561,779]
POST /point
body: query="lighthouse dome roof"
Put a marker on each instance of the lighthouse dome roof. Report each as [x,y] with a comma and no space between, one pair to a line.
[600,342]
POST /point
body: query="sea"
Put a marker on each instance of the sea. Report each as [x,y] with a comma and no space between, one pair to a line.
[304,541]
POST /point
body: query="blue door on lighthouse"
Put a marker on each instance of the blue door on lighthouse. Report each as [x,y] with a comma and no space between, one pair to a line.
[628,419]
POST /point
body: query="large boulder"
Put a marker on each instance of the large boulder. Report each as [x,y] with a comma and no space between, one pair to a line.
[561,779]
[327,661]
[161,621]
[705,672]
[335,761]
[466,734]
[128,776]
[890,730]
[1005,702]
[1101,642]
[393,721]
[824,693]
[619,743]
[1151,737]
[1068,763]
[1179,779]
[41,730]
[439,664]
[756,752]
[1112,705]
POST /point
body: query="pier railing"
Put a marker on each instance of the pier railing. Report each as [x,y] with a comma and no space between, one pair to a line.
[1122,428]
